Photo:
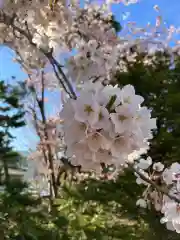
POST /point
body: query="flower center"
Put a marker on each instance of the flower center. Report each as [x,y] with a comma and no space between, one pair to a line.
[88,109]
[127,100]
[100,116]
[122,118]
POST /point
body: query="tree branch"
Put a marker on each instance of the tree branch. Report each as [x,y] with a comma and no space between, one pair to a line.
[152,183]
[9,21]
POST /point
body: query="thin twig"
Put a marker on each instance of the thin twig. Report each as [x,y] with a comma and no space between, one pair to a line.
[64,77]
[57,75]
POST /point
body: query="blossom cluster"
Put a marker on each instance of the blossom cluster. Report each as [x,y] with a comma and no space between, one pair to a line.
[105,125]
[88,32]
[170,206]
[65,28]
[168,202]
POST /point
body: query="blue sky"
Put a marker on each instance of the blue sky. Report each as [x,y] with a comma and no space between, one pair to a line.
[141,13]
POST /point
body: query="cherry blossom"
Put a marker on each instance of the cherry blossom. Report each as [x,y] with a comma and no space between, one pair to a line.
[158,166]
[141,202]
[171,173]
[128,96]
[144,163]
[100,120]
[86,109]
[171,213]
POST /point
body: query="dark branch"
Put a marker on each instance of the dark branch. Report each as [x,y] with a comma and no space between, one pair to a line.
[153,184]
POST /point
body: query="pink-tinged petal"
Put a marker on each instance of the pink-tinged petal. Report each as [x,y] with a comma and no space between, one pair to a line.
[94,142]
[67,113]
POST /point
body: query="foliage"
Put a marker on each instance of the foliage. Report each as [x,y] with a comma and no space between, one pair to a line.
[22,216]
[11,116]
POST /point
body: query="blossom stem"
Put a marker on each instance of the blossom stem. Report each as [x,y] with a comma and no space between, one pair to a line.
[111,102]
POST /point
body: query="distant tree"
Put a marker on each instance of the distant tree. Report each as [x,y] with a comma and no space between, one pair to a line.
[11,116]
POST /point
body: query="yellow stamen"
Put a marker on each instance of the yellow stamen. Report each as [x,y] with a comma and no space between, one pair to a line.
[127,100]
[100,116]
[88,109]
[122,118]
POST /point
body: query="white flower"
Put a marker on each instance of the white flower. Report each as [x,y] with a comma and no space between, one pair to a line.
[170,226]
[144,163]
[95,88]
[158,167]
[81,151]
[122,119]
[75,132]
[136,154]
[141,203]
[163,220]
[107,93]
[128,96]
[95,141]
[103,121]
[102,156]
[156,7]
[120,145]
[144,122]
[176,224]
[172,214]
[171,173]
[86,109]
